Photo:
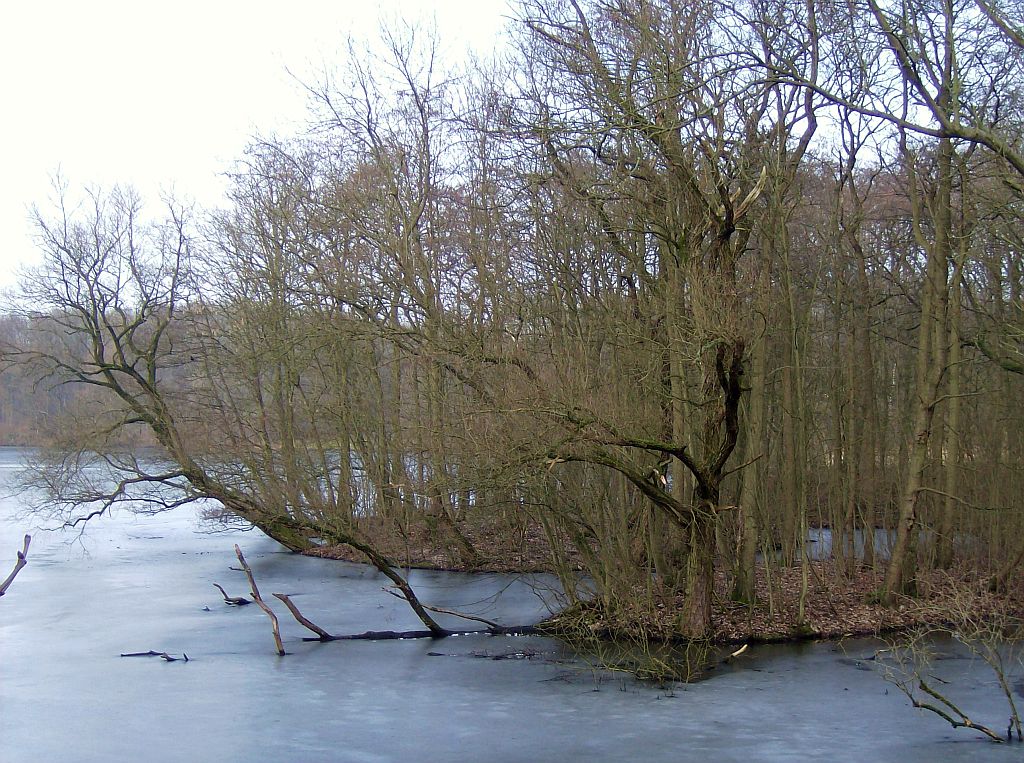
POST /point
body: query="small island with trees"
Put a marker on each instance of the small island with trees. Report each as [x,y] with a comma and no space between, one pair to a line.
[713,310]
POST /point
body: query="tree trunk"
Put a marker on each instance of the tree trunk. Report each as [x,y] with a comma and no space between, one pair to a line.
[695,619]
[951,441]
[757,423]
[933,336]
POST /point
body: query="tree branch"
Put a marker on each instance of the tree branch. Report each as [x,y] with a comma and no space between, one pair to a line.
[259,600]
[21,562]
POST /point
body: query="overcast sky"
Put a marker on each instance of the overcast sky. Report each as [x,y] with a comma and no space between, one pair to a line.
[165,96]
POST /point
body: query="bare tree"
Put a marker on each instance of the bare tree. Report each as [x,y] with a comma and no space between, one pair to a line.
[120,295]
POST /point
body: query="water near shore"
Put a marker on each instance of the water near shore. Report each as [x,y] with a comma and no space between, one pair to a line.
[132,584]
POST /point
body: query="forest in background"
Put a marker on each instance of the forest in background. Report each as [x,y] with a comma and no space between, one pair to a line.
[671,281]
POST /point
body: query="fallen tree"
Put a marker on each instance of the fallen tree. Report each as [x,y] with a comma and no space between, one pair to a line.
[116,310]
[322,635]
[992,638]
[275,625]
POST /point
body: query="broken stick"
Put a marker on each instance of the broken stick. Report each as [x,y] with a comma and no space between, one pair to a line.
[303,620]
[21,562]
[161,655]
[234,601]
[259,600]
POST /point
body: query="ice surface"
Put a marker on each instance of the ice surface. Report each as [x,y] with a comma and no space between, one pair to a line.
[138,583]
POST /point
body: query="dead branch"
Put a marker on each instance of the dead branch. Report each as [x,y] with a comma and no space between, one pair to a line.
[527,630]
[259,600]
[162,655]
[986,645]
[304,621]
[21,562]
[963,722]
[733,655]
[234,601]
[907,671]
[493,629]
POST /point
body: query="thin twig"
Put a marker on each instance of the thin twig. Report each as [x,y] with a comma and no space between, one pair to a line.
[961,501]
[452,612]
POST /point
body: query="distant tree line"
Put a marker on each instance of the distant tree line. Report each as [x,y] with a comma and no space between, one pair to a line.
[675,280]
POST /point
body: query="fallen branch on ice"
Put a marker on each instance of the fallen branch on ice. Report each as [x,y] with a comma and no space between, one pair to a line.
[493,628]
[259,600]
[21,562]
[163,655]
[234,601]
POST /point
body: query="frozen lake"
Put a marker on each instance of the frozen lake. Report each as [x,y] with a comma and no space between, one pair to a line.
[135,583]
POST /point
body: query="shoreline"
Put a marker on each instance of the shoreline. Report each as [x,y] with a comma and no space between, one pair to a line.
[835,606]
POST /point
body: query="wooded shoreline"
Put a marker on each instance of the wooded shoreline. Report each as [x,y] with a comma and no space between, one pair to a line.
[837,606]
[657,291]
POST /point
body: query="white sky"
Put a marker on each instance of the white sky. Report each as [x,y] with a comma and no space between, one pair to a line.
[164,96]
